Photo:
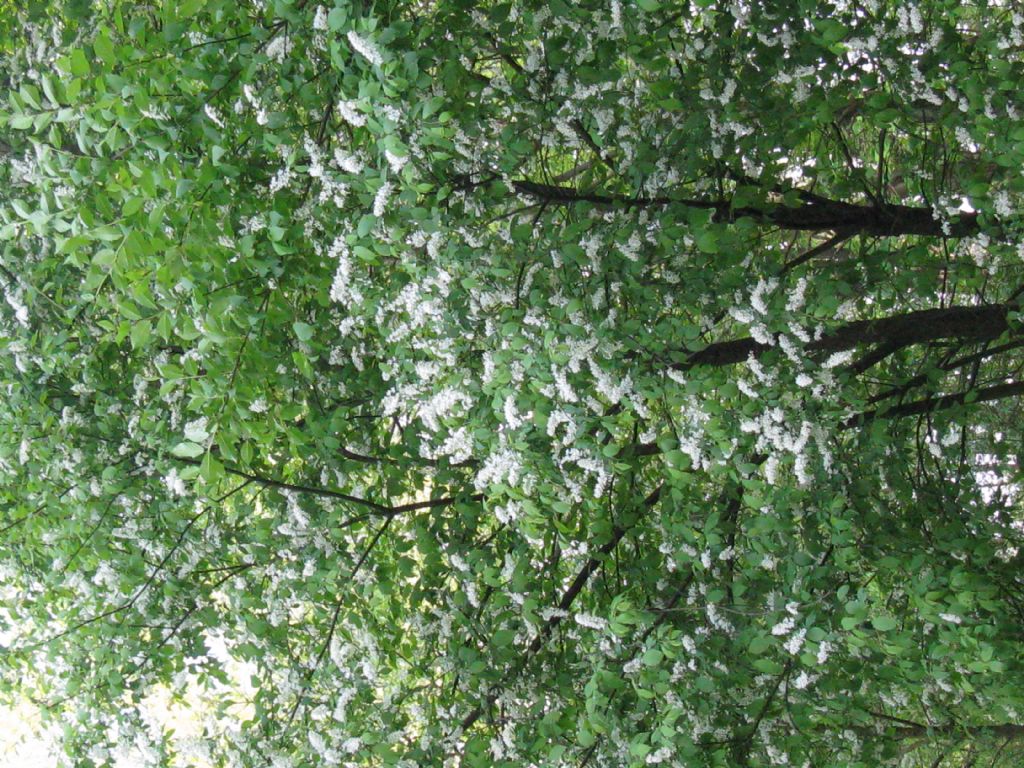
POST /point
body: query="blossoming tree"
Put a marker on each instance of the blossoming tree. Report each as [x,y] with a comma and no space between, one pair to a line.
[514,383]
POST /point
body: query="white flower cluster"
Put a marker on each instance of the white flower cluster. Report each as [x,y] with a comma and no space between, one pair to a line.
[788,624]
[14,299]
[458,447]
[342,289]
[212,114]
[320,19]
[549,613]
[365,48]
[395,162]
[380,200]
[175,484]
[279,48]
[502,466]
[717,620]
[508,513]
[795,642]
[441,405]
[590,621]
[838,358]
[659,756]
[281,179]
[591,465]
[349,111]
[348,162]
[824,649]
[1001,201]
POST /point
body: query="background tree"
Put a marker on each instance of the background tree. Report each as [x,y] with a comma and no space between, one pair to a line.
[515,383]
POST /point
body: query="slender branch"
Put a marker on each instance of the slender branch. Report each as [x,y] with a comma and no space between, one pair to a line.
[942,402]
[803,258]
[922,378]
[377,508]
[145,585]
[335,615]
[568,597]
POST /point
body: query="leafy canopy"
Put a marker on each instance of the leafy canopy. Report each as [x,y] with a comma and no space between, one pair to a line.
[514,383]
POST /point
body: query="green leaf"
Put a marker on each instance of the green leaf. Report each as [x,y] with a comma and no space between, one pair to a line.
[188,8]
[884,623]
[79,63]
[105,48]
[21,208]
[188,450]
[337,18]
[652,657]
[303,331]
[22,122]
[759,644]
[211,470]
[140,334]
[707,241]
[768,666]
[30,94]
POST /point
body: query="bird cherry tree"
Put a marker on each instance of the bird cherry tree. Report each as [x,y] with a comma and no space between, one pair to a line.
[515,383]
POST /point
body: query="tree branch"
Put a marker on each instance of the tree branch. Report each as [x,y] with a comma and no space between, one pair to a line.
[977,323]
[817,216]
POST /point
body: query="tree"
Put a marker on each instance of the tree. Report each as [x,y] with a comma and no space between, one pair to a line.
[515,384]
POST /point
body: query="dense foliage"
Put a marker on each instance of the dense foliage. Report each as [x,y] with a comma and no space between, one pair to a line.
[514,384]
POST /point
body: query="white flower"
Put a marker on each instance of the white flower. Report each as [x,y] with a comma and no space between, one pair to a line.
[350,114]
[744,316]
[259,405]
[512,415]
[590,621]
[196,430]
[659,756]
[824,649]
[365,48]
[380,200]
[1002,204]
[757,298]
[174,483]
[838,358]
[502,466]
[281,179]
[508,513]
[320,20]
[279,48]
[802,680]
[349,163]
[784,627]
[442,405]
[214,117]
[458,446]
[395,162]
[796,298]
[796,642]
[952,618]
[716,619]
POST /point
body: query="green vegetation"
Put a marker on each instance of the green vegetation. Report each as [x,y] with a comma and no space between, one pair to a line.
[514,384]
